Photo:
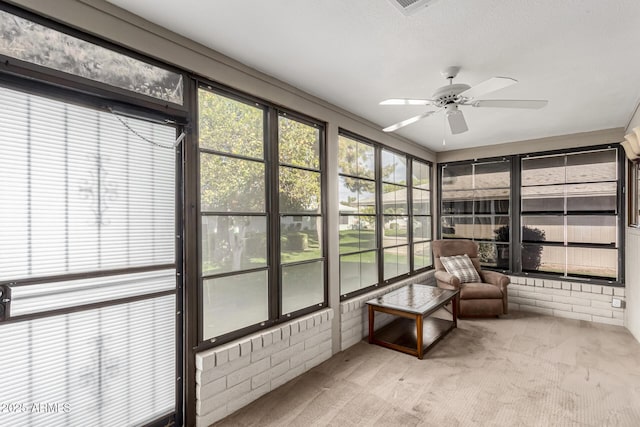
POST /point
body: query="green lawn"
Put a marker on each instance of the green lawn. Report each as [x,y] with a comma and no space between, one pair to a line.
[356,240]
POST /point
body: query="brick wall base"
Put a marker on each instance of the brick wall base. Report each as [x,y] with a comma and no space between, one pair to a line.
[235,374]
[566,299]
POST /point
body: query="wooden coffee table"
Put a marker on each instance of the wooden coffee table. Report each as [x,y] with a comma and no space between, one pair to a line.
[413,332]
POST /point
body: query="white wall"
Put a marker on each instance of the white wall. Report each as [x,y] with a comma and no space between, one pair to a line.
[584,139]
[632,255]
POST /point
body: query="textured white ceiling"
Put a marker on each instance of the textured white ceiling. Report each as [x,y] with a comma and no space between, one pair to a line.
[581,55]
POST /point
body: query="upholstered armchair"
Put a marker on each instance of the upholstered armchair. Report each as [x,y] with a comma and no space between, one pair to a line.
[477,299]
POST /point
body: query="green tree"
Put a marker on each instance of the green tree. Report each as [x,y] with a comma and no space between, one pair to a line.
[299,145]
[531,254]
[230,184]
[37,44]
[356,159]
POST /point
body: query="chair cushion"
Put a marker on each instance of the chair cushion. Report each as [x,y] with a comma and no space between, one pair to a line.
[480,291]
[461,267]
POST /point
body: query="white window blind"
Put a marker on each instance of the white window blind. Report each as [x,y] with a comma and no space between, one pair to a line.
[113,366]
[79,192]
[80,195]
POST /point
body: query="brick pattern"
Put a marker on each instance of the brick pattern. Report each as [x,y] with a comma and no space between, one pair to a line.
[233,375]
[566,299]
[354,317]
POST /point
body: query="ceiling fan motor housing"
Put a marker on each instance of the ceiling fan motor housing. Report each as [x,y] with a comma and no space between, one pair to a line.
[448,94]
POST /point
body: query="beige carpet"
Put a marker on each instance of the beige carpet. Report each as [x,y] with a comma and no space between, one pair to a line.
[523,369]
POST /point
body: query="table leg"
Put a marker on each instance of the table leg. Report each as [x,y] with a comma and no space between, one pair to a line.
[419,324]
[371,320]
[455,304]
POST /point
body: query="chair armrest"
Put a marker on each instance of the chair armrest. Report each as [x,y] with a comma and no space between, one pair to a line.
[446,280]
[495,278]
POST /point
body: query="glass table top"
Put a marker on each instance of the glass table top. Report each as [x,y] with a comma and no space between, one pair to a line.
[415,298]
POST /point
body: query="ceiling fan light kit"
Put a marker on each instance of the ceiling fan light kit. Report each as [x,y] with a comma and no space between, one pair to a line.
[452,96]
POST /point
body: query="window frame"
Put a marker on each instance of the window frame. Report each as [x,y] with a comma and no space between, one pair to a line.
[322,163]
[379,215]
[271,160]
[380,193]
[516,214]
[412,215]
[513,223]
[134,100]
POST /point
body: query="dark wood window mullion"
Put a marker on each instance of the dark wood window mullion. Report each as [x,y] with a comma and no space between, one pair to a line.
[410,250]
[273,207]
[379,213]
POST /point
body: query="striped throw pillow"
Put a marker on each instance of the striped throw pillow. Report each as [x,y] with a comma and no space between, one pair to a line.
[461,267]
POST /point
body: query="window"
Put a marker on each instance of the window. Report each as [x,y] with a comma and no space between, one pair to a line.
[475,204]
[421,214]
[395,219]
[358,215]
[37,44]
[569,214]
[235,285]
[300,195]
[385,218]
[249,278]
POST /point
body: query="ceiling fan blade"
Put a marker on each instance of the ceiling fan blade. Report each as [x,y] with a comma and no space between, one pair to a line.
[488,86]
[511,103]
[405,101]
[407,122]
[457,123]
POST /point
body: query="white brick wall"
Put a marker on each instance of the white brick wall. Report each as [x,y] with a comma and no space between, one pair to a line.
[354,316]
[566,299]
[235,374]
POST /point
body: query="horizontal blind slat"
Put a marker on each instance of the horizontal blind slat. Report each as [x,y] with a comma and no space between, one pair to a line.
[79,191]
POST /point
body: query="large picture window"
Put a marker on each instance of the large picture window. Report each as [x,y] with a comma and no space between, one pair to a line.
[565,207]
[569,214]
[250,278]
[385,214]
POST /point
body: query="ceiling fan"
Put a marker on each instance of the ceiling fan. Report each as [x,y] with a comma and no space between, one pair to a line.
[452,96]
